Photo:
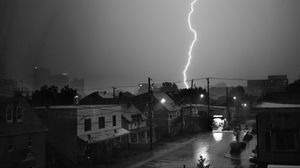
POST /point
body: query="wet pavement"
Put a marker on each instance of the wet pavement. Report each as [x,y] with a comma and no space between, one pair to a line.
[212,146]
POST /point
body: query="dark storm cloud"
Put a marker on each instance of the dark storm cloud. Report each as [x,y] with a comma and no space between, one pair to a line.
[125,41]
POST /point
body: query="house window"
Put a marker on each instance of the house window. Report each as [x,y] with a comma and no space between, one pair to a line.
[10,148]
[133,138]
[29,142]
[285,141]
[9,114]
[87,124]
[101,122]
[114,120]
[19,114]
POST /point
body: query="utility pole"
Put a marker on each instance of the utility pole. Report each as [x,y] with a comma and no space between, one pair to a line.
[191,99]
[22,87]
[114,92]
[191,112]
[208,108]
[227,106]
[150,110]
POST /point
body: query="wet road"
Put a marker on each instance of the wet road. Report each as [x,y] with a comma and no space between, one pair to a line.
[212,146]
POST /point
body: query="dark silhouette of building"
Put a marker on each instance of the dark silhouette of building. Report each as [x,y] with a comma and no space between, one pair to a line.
[278,133]
[256,87]
[22,135]
[274,83]
[277,83]
[96,99]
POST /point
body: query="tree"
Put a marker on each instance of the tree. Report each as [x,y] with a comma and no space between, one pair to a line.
[294,87]
[238,91]
[168,87]
[67,95]
[47,96]
[200,163]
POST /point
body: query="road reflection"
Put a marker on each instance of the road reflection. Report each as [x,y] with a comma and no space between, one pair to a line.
[218,136]
[201,150]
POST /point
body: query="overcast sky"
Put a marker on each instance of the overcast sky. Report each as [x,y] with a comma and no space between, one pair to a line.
[121,42]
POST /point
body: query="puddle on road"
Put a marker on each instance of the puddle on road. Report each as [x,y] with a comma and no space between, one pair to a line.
[218,136]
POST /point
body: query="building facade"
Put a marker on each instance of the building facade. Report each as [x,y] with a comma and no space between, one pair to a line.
[22,135]
[274,83]
[278,133]
[166,115]
[256,87]
[277,83]
[135,122]
[84,133]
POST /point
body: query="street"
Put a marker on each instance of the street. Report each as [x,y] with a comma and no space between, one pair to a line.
[212,146]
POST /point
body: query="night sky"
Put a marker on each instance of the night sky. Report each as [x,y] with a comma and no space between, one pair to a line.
[122,42]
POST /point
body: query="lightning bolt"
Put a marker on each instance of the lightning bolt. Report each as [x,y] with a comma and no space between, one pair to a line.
[192,44]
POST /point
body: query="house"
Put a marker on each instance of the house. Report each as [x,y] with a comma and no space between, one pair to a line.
[22,135]
[98,98]
[83,133]
[135,122]
[278,137]
[165,113]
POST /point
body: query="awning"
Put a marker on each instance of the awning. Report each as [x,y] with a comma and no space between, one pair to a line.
[104,135]
[139,129]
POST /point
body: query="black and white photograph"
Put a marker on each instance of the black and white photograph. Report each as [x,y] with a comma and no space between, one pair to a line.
[149,84]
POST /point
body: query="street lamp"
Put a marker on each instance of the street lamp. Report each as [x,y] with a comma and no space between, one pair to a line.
[234,98]
[163,101]
[201,96]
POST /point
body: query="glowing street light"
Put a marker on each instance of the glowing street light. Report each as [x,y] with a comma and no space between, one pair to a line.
[244,104]
[163,101]
[234,98]
[201,96]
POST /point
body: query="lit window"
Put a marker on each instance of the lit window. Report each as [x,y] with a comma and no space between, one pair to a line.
[9,114]
[19,114]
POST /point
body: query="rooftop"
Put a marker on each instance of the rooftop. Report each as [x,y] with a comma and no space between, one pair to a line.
[277,105]
[81,107]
